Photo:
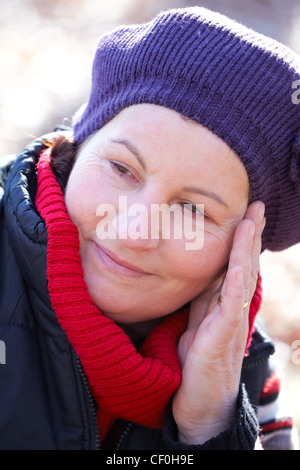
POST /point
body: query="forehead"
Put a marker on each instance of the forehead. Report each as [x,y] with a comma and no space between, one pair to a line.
[161,138]
[163,125]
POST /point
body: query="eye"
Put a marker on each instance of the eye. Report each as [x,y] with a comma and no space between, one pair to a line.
[195,209]
[121,169]
[124,172]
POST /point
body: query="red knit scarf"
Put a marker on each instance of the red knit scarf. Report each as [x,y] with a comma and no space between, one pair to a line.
[126,384]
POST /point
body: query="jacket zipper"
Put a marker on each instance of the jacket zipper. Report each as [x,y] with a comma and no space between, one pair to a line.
[92,407]
[91,404]
[124,435]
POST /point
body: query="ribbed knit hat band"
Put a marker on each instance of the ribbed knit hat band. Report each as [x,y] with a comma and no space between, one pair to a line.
[235,82]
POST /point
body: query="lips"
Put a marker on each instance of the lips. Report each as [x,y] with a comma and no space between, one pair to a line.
[118,266]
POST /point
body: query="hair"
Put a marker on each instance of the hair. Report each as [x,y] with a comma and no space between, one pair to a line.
[63,155]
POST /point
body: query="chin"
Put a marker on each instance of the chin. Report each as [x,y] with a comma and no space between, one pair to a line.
[132,314]
[119,315]
[123,305]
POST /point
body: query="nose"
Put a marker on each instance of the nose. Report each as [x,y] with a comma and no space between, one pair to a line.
[136,224]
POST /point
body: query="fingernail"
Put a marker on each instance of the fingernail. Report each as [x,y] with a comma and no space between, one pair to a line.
[261,212]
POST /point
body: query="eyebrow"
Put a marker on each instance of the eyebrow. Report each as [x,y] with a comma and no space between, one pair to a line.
[203,192]
[189,189]
[131,149]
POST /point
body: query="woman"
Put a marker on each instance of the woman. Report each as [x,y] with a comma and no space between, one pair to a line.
[124,341]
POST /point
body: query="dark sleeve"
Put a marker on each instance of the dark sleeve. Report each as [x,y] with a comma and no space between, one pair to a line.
[6,162]
[242,434]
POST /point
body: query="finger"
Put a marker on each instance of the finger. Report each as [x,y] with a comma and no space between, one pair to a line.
[241,253]
[255,212]
[231,312]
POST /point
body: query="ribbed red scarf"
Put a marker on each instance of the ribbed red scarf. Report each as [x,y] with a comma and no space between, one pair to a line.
[135,386]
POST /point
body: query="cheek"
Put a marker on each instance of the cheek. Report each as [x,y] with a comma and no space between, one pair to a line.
[85,191]
[196,270]
[210,258]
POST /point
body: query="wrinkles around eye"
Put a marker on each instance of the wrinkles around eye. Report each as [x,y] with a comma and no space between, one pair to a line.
[124,171]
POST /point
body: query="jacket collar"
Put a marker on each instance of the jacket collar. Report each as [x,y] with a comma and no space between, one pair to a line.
[26,229]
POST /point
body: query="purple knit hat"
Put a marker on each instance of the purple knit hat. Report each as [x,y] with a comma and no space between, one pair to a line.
[241,85]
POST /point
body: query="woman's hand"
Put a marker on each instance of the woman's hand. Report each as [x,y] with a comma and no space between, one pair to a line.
[212,348]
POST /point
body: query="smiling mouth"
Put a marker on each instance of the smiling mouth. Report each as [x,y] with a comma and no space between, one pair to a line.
[118,266]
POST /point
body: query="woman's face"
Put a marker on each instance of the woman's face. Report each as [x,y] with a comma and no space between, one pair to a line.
[151,155]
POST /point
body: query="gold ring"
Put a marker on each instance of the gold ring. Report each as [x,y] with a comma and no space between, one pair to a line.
[221,298]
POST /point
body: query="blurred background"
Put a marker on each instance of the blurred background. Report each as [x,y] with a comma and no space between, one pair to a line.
[46,52]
